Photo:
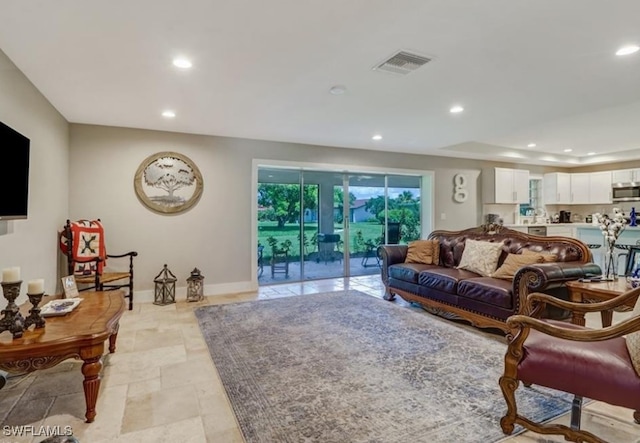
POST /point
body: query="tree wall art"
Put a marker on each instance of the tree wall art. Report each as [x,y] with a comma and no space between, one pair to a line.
[168,183]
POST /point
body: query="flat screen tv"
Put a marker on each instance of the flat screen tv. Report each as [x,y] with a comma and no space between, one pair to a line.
[14,180]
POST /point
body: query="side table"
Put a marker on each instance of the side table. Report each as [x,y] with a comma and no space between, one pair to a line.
[581,292]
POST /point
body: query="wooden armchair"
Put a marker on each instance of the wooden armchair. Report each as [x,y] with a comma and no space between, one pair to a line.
[591,363]
[83,244]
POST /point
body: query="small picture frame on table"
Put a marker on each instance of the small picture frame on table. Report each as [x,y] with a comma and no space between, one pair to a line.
[69,287]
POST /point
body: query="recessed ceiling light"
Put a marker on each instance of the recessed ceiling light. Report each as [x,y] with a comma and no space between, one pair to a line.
[626,50]
[338,90]
[182,63]
[591,153]
[168,114]
[376,137]
[531,145]
[568,150]
[456,109]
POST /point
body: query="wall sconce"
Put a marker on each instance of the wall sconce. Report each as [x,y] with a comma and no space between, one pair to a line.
[195,286]
[165,291]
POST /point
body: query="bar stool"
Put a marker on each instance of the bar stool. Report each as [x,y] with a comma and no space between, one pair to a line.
[625,253]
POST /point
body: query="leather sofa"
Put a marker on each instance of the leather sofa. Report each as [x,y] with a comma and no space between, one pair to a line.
[485,302]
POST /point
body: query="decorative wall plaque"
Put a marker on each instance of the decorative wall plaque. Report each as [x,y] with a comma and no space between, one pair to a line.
[168,183]
[460,192]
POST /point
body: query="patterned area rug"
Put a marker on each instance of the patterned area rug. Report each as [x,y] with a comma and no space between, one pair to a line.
[347,367]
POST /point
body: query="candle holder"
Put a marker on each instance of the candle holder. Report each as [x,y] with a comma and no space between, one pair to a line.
[34,317]
[12,320]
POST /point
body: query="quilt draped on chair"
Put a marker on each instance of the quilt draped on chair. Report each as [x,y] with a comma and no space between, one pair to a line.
[88,243]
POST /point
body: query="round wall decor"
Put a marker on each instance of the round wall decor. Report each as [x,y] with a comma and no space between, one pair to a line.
[168,183]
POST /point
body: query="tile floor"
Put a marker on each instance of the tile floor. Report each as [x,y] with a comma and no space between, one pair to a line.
[161,385]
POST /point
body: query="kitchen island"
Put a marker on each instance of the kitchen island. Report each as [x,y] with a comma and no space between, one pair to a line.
[591,235]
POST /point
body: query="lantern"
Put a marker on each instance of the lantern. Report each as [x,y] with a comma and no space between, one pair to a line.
[165,291]
[195,286]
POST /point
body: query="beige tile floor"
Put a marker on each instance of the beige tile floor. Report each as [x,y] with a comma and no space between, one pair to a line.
[161,385]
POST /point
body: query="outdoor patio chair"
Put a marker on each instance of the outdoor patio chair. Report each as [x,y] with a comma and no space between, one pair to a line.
[585,362]
[393,237]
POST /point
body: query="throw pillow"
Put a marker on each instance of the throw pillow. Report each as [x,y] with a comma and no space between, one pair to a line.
[480,257]
[547,256]
[424,251]
[513,262]
[633,341]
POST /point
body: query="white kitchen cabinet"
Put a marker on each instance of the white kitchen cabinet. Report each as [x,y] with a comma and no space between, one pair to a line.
[557,188]
[577,189]
[600,187]
[625,176]
[561,230]
[580,188]
[502,185]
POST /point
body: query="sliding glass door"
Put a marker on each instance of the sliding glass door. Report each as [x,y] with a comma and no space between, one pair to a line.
[324,224]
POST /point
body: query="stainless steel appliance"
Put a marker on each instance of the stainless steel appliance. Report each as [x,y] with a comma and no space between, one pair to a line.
[537,230]
[625,192]
[565,217]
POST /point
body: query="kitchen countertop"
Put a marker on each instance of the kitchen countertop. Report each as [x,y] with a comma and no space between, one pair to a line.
[570,225]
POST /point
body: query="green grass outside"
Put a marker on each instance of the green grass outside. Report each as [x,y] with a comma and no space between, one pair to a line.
[370,231]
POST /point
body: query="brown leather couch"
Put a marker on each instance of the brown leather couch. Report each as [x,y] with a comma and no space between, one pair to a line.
[485,302]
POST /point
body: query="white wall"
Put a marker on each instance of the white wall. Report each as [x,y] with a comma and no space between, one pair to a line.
[215,235]
[32,243]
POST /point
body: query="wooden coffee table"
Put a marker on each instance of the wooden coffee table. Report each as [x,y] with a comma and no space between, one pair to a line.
[580,292]
[79,334]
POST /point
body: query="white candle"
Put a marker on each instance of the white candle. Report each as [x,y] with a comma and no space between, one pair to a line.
[35,286]
[11,274]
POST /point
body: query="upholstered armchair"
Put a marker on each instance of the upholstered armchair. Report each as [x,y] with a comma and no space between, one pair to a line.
[590,363]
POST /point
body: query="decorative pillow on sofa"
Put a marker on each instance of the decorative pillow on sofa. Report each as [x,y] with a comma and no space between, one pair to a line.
[633,341]
[426,252]
[547,256]
[480,257]
[513,262]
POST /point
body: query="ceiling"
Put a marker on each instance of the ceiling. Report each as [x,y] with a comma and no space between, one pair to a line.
[542,72]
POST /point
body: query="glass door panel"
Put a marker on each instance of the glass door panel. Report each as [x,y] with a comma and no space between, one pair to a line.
[326,257]
[403,209]
[366,222]
[279,226]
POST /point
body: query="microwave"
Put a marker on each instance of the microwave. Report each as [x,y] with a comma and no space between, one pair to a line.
[625,192]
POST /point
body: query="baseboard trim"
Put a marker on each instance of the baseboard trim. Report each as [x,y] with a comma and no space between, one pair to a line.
[147,296]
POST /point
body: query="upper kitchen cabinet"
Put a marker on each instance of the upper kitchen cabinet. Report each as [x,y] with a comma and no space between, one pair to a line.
[580,188]
[502,185]
[625,176]
[600,187]
[577,189]
[557,188]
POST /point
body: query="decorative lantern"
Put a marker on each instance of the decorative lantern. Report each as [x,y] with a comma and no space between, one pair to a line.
[195,285]
[165,292]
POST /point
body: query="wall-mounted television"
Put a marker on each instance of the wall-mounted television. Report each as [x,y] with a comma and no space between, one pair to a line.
[14,179]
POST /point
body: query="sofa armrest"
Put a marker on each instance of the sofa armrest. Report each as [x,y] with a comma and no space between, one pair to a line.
[544,276]
[390,255]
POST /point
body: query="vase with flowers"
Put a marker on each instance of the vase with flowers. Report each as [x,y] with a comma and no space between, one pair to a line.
[611,227]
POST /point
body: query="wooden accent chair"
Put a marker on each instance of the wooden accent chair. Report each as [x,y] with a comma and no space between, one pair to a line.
[83,243]
[591,363]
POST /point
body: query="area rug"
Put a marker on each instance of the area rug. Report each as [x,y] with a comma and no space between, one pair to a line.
[347,367]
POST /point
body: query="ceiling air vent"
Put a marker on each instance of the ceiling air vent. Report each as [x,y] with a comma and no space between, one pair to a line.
[402,63]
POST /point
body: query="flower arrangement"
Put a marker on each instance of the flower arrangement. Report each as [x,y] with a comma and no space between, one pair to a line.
[611,227]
